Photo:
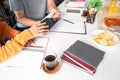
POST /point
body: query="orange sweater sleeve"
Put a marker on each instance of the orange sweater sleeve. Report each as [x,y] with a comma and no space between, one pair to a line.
[14,45]
[8,31]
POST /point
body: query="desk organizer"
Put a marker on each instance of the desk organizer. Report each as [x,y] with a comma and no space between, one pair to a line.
[91,18]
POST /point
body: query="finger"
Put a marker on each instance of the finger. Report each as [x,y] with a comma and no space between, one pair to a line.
[40,24]
[44,30]
[56,15]
[27,44]
[43,23]
[42,35]
[43,27]
[54,10]
[58,11]
[32,41]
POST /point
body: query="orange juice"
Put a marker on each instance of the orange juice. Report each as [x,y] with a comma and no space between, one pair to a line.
[112,7]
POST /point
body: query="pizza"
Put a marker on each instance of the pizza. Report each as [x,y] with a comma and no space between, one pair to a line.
[112,21]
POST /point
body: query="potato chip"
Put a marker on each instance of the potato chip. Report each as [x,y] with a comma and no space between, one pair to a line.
[105,38]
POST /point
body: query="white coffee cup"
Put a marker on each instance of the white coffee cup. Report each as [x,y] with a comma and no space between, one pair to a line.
[50,60]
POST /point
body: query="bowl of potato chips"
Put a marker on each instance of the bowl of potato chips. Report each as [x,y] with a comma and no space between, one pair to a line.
[105,37]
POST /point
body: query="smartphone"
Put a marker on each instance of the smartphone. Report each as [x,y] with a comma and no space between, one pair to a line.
[50,22]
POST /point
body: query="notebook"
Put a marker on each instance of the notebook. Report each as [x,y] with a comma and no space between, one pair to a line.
[84,55]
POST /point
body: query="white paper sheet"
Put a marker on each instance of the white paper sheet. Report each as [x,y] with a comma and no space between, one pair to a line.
[67,27]
[40,44]
[25,60]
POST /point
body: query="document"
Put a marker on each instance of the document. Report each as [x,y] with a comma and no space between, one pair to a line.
[66,26]
[25,60]
[40,44]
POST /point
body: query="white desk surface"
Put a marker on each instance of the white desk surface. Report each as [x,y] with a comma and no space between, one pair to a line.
[108,69]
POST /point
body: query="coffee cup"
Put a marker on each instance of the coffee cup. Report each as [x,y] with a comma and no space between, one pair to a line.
[50,60]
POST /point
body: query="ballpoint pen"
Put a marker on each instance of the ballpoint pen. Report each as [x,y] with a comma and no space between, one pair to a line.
[68,21]
[51,15]
[85,27]
[13,66]
[36,46]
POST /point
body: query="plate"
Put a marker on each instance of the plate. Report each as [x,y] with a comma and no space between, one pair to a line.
[56,69]
[110,22]
[105,38]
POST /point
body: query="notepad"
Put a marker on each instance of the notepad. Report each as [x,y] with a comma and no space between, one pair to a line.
[40,44]
[67,26]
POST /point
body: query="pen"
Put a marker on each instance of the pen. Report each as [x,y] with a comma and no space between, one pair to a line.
[51,15]
[13,66]
[36,46]
[85,26]
[68,21]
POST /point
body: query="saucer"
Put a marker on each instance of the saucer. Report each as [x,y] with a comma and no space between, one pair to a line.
[57,67]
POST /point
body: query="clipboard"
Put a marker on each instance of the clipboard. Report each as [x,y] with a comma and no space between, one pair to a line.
[72,27]
[66,26]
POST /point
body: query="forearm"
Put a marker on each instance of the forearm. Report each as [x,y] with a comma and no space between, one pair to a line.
[51,5]
[26,21]
[21,17]
[14,45]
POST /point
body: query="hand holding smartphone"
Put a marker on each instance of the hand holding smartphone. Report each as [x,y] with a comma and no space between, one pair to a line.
[49,21]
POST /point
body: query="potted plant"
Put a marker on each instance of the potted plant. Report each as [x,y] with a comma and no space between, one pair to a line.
[95,4]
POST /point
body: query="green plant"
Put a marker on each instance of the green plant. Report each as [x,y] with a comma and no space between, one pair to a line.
[95,4]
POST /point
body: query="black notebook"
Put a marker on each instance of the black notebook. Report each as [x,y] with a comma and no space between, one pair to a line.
[84,55]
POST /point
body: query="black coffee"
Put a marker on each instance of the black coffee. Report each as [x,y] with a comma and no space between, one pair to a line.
[50,58]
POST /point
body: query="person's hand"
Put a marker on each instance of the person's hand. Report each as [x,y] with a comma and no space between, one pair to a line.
[55,13]
[31,41]
[38,29]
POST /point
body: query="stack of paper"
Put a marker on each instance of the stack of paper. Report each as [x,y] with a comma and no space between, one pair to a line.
[75,6]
